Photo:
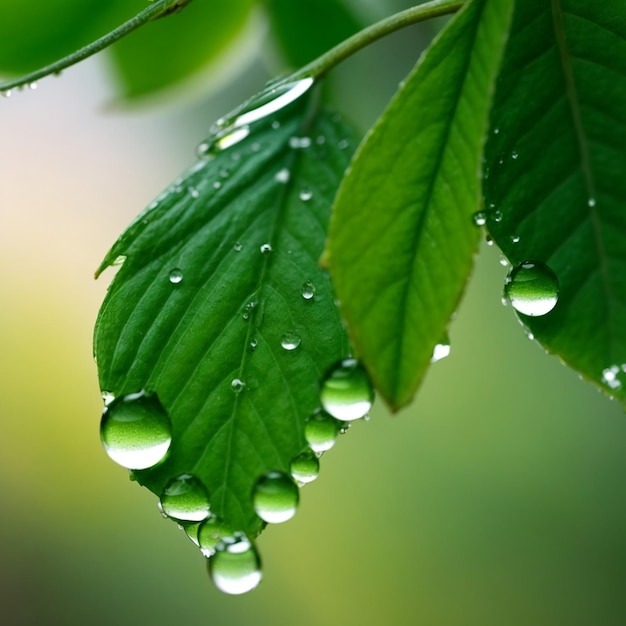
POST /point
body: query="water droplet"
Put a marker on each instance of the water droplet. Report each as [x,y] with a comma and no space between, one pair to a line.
[33,86]
[299,143]
[266,248]
[135,431]
[479,218]
[238,247]
[185,498]
[236,567]
[306,194]
[212,533]
[275,497]
[290,341]
[504,262]
[441,350]
[346,391]
[515,238]
[230,139]
[320,140]
[514,155]
[217,184]
[496,131]
[532,288]
[6,93]
[248,310]
[610,377]
[193,192]
[308,290]
[253,345]
[176,276]
[283,176]
[275,124]
[305,467]
[321,431]
[591,202]
[343,144]
[237,385]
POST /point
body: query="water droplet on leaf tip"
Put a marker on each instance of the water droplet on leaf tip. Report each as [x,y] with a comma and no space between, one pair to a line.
[33,86]
[176,276]
[185,498]
[235,568]
[283,176]
[136,431]
[346,392]
[212,534]
[275,497]
[308,290]
[532,288]
[320,140]
[253,345]
[237,385]
[6,93]
[290,341]
[489,240]
[440,351]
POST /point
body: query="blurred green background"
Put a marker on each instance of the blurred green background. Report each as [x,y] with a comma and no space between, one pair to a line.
[497,498]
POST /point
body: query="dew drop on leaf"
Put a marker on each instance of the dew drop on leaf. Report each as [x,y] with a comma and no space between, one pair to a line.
[321,431]
[283,176]
[135,431]
[440,351]
[236,567]
[346,392]
[211,534]
[275,497]
[532,288]
[305,194]
[176,276]
[308,290]
[290,341]
[266,248]
[237,385]
[305,467]
[479,218]
[185,498]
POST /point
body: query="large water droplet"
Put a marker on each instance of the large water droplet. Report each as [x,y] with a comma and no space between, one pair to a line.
[185,498]
[321,431]
[290,341]
[212,533]
[136,431]
[305,467]
[532,288]
[346,391]
[275,498]
[236,567]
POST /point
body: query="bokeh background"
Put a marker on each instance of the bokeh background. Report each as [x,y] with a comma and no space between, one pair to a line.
[496,499]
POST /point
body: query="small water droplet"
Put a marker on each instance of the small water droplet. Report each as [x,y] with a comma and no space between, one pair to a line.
[321,431]
[441,350]
[515,238]
[489,240]
[591,202]
[253,345]
[275,125]
[6,93]
[299,143]
[496,131]
[305,467]
[514,155]
[308,290]
[532,288]
[290,341]
[235,568]
[275,497]
[237,385]
[33,86]
[479,218]
[176,276]
[135,431]
[107,397]
[185,498]
[238,247]
[212,533]
[320,140]
[305,194]
[346,391]
[217,184]
[283,176]
[343,144]
[193,192]
[266,248]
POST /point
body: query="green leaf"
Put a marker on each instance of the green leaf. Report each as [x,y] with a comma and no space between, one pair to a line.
[308,28]
[34,33]
[556,183]
[169,50]
[402,240]
[228,334]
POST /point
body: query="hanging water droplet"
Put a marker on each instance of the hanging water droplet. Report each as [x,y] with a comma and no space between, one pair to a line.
[191,530]
[212,533]
[479,218]
[346,391]
[6,93]
[532,288]
[497,216]
[290,341]
[237,385]
[321,431]
[305,467]
[236,567]
[176,276]
[33,86]
[186,499]
[283,176]
[136,431]
[441,350]
[308,290]
[496,131]
[489,240]
[275,497]
[107,397]
[305,194]
[275,125]
[248,310]
[266,248]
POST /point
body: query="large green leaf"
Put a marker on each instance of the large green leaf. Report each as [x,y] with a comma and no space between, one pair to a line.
[169,50]
[221,310]
[35,33]
[555,183]
[402,239]
[308,28]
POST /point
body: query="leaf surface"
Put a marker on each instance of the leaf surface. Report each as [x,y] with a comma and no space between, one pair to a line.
[190,340]
[555,185]
[402,240]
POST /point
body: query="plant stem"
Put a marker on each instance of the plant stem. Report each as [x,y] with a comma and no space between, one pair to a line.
[395,22]
[152,12]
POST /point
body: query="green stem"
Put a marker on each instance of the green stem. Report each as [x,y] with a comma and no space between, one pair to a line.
[363,38]
[154,11]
